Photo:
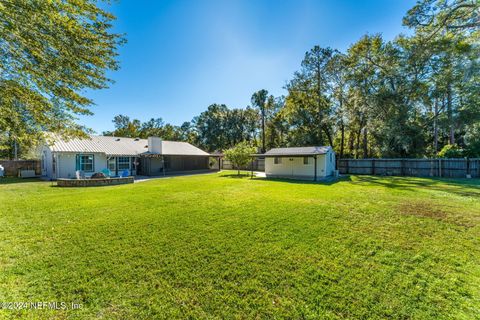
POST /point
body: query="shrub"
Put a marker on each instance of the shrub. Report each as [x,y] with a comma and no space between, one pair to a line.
[240,155]
[451,151]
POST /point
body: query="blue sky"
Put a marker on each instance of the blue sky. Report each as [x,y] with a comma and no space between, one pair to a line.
[182,56]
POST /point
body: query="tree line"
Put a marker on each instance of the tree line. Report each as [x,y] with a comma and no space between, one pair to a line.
[415,96]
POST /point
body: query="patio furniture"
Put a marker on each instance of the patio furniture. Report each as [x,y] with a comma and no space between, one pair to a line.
[98,175]
[125,173]
[106,172]
[79,174]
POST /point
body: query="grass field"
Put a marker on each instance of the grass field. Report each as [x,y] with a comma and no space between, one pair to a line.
[218,246]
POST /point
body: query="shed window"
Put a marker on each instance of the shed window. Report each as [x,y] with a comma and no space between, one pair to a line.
[123,163]
[305,160]
[277,160]
[85,162]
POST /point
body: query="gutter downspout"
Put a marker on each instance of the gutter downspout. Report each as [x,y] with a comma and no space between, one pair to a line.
[315,175]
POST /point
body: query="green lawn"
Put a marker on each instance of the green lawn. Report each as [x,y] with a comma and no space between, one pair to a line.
[218,246]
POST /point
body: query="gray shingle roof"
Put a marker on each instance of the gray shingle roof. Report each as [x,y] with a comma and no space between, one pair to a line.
[297,151]
[119,146]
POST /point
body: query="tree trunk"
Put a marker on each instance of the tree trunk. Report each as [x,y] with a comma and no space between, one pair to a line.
[365,142]
[357,147]
[351,143]
[435,127]
[329,136]
[263,129]
[450,115]
[342,141]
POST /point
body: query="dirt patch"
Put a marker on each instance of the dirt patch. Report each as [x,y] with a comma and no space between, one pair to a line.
[432,211]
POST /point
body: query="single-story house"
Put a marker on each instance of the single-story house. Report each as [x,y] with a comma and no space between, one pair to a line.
[63,158]
[306,163]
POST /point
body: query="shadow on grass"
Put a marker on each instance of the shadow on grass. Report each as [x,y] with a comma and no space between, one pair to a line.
[462,187]
[326,182]
[10,180]
[329,181]
[236,176]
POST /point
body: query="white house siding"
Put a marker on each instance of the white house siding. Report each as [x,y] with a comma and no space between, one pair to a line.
[66,164]
[330,167]
[293,167]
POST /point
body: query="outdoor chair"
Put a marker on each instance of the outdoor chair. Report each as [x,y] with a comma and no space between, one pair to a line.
[79,174]
[125,173]
[107,172]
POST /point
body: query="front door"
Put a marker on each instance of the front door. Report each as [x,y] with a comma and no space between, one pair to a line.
[291,167]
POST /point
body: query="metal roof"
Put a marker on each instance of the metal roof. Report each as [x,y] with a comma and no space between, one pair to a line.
[298,151]
[119,146]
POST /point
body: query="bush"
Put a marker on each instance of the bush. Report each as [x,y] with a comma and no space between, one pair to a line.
[451,151]
[240,155]
[472,141]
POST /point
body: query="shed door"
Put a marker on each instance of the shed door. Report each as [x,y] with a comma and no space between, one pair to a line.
[291,166]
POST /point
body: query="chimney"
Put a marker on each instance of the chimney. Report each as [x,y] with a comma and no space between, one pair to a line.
[155,145]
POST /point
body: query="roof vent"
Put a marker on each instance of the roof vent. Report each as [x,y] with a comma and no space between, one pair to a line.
[118,139]
[137,139]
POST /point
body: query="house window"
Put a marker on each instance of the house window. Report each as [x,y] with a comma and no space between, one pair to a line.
[85,162]
[123,163]
[111,164]
[305,160]
[277,160]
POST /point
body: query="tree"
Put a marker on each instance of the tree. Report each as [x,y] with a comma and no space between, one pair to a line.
[277,125]
[152,128]
[259,100]
[50,53]
[434,16]
[124,127]
[240,155]
[451,151]
[472,140]
[308,104]
[219,127]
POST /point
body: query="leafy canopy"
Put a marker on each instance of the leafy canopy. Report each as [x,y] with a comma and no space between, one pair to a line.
[240,155]
[51,52]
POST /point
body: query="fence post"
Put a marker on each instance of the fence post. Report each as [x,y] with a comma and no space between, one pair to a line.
[468,165]
[440,168]
[347,162]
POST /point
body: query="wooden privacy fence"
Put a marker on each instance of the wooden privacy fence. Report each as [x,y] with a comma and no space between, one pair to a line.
[13,166]
[258,165]
[449,168]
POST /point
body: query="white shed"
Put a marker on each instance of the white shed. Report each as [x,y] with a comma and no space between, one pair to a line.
[306,163]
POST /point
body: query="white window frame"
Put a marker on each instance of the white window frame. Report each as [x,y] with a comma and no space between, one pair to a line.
[110,162]
[82,163]
[120,165]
